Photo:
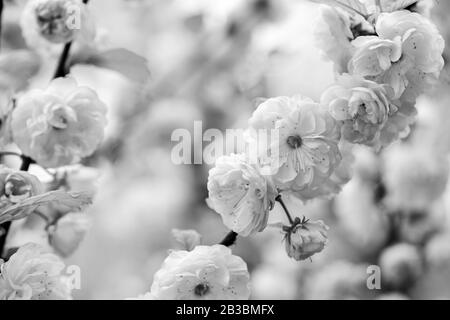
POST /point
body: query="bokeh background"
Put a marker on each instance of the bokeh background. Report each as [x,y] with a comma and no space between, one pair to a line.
[212,61]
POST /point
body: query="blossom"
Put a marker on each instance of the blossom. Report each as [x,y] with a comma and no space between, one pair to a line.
[414,177]
[305,238]
[59,125]
[48,22]
[205,273]
[400,264]
[334,33]
[406,54]
[304,151]
[363,108]
[33,274]
[437,250]
[16,186]
[240,194]
[68,232]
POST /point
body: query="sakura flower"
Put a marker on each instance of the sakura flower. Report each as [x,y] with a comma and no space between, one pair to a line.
[33,274]
[304,152]
[59,125]
[334,33]
[48,22]
[407,54]
[205,273]
[305,238]
[16,186]
[364,109]
[68,232]
[400,265]
[240,194]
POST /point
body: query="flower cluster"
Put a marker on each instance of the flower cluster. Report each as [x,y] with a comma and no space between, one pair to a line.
[50,128]
[386,60]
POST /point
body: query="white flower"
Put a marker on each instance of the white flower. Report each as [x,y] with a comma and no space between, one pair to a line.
[60,125]
[33,274]
[414,177]
[48,22]
[365,109]
[334,33]
[240,194]
[304,152]
[68,232]
[16,186]
[400,265]
[407,54]
[205,273]
[305,238]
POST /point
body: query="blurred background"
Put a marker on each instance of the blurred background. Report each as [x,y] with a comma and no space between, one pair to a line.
[212,61]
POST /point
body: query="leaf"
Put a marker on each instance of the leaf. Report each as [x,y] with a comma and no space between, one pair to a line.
[71,201]
[187,239]
[131,65]
[351,6]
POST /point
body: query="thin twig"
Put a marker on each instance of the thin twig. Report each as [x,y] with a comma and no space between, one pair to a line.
[278,198]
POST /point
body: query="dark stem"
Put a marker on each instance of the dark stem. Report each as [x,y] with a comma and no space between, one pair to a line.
[4,229]
[229,239]
[1,20]
[61,69]
[278,198]
[26,162]
[9,153]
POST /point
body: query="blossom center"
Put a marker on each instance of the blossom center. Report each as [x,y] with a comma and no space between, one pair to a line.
[294,142]
[60,116]
[201,289]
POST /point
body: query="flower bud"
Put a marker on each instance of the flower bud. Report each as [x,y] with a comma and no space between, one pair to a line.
[305,238]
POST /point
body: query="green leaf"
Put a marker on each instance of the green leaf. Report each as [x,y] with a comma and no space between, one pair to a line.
[70,201]
[131,65]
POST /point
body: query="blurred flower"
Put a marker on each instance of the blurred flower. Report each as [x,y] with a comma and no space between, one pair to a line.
[205,273]
[187,239]
[59,125]
[56,22]
[437,250]
[338,280]
[268,283]
[33,274]
[401,265]
[363,107]
[305,152]
[407,55]
[414,177]
[305,238]
[363,221]
[334,33]
[240,194]
[68,232]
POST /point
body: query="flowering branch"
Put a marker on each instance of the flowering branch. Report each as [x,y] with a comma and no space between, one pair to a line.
[278,199]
